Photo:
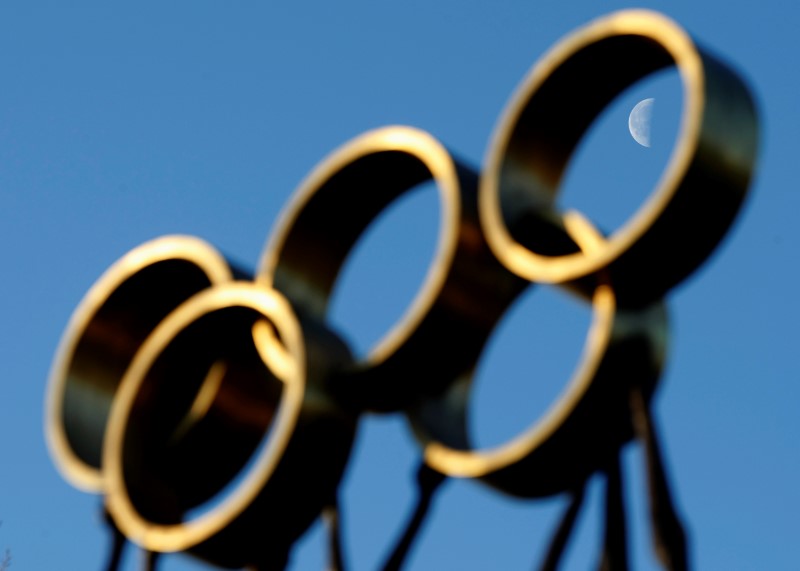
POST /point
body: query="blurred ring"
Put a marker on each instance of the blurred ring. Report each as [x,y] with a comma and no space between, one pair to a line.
[465,289]
[699,193]
[106,329]
[586,424]
[150,488]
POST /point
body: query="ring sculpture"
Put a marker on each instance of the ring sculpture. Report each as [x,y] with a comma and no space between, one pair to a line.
[175,356]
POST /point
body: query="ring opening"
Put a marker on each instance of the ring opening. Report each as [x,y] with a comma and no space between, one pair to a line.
[624,154]
[521,371]
[383,272]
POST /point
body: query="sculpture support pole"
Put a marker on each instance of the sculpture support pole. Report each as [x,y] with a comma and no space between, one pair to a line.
[669,538]
[559,541]
[428,482]
[615,549]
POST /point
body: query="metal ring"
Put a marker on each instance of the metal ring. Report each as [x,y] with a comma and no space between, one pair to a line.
[465,289]
[194,393]
[698,195]
[589,420]
[218,390]
[104,332]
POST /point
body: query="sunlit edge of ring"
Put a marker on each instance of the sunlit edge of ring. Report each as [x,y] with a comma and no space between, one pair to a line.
[686,59]
[477,463]
[441,165]
[69,465]
[182,536]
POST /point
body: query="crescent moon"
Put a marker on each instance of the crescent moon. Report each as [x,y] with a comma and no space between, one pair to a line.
[639,121]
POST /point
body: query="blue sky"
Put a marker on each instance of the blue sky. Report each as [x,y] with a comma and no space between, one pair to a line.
[121,124]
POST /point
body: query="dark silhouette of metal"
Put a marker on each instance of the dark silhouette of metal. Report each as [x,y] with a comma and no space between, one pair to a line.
[558,543]
[118,547]
[428,482]
[331,515]
[669,538]
[615,549]
[118,543]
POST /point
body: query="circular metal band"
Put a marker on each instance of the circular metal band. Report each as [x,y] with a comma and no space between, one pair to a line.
[249,412]
[196,392]
[465,289]
[700,190]
[587,423]
[104,332]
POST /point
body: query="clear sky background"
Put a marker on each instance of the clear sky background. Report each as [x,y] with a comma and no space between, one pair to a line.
[118,125]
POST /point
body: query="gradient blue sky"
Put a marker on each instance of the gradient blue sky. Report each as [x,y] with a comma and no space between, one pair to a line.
[118,125]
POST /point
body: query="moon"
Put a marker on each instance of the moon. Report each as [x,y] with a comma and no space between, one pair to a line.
[639,121]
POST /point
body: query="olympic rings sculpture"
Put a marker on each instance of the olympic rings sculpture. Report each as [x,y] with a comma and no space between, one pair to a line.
[175,355]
